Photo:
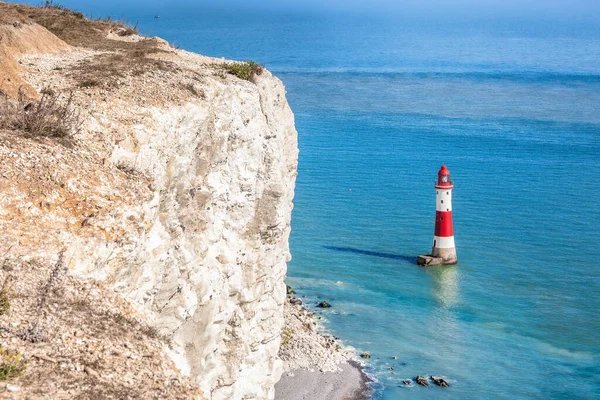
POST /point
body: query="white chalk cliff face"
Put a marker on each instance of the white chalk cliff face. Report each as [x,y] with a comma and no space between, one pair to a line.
[210,254]
[210,258]
[190,205]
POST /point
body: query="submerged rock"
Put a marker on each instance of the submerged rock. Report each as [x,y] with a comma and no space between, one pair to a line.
[441,382]
[421,380]
[407,382]
[366,354]
[324,304]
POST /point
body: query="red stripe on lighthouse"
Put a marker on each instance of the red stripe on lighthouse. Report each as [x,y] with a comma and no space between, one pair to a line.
[443,224]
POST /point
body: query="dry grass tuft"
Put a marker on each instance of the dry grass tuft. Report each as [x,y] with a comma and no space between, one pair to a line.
[51,116]
[106,69]
[5,294]
[194,90]
[128,30]
[89,83]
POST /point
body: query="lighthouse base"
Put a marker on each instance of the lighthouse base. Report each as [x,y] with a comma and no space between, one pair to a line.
[430,261]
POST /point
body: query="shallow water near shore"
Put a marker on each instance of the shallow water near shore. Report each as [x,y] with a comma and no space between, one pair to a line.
[514,111]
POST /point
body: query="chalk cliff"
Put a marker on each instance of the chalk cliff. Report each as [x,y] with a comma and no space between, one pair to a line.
[175,194]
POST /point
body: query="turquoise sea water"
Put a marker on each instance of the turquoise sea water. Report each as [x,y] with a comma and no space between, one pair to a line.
[513,109]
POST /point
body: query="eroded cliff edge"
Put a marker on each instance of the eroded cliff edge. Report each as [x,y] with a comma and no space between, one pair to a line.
[175,194]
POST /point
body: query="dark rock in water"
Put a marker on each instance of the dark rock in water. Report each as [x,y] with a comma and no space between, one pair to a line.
[323,304]
[295,300]
[394,358]
[366,354]
[289,289]
[407,382]
[391,368]
[421,380]
[441,382]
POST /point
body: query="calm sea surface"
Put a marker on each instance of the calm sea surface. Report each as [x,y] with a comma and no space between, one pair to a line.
[513,110]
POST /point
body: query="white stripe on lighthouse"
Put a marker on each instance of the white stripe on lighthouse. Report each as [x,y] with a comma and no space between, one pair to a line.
[442,242]
[443,200]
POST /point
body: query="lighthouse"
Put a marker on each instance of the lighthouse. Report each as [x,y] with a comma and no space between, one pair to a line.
[443,251]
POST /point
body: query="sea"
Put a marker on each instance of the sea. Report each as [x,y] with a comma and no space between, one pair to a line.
[512,107]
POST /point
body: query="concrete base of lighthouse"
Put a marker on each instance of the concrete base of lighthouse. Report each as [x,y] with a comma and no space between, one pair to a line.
[440,255]
[430,261]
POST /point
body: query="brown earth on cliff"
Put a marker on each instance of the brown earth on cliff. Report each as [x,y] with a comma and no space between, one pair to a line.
[52,29]
[19,36]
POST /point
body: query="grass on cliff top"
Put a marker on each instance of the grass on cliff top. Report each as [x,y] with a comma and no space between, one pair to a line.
[105,69]
[246,70]
[124,58]
[70,26]
[75,29]
[52,115]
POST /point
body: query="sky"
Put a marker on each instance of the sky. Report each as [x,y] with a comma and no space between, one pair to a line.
[561,9]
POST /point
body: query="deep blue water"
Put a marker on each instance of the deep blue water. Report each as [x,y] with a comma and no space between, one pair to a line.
[513,109]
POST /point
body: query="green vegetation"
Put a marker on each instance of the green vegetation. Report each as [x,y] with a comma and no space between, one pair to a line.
[287,334]
[12,364]
[4,301]
[246,70]
[5,295]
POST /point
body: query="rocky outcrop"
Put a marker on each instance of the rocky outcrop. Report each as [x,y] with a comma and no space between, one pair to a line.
[306,346]
[176,195]
[439,381]
[421,380]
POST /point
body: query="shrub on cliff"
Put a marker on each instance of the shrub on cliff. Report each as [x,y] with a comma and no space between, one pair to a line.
[12,364]
[51,116]
[5,294]
[286,336]
[245,70]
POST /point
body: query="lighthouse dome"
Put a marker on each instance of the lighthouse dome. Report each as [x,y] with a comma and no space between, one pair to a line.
[444,177]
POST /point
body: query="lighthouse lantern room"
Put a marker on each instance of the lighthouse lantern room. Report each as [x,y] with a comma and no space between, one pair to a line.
[443,251]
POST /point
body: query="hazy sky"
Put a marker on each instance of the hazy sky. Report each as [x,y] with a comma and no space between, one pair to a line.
[588,9]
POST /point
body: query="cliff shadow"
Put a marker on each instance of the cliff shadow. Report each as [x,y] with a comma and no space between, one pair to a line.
[391,256]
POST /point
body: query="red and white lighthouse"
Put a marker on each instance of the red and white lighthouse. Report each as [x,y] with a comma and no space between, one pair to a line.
[443,251]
